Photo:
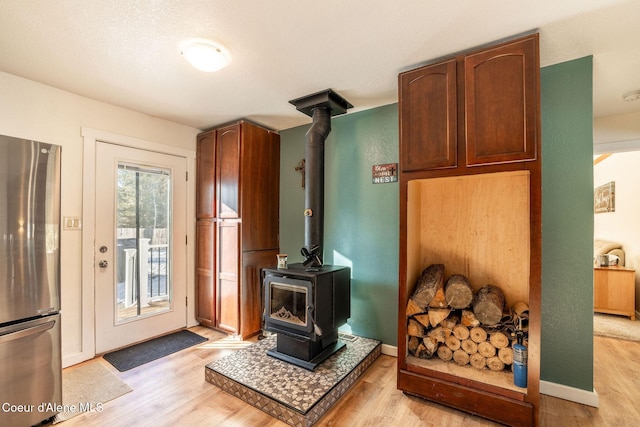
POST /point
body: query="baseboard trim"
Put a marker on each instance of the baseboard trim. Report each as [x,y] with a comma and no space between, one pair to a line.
[572,394]
[389,350]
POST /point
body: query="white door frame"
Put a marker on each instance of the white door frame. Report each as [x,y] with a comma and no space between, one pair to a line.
[90,137]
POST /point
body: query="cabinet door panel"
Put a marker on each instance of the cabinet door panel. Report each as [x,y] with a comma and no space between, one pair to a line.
[260,188]
[206,175]
[205,277]
[501,87]
[252,302]
[428,116]
[228,171]
[228,292]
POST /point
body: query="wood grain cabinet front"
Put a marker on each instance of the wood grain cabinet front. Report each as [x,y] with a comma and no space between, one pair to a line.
[206,175]
[238,207]
[501,95]
[614,291]
[428,111]
[473,110]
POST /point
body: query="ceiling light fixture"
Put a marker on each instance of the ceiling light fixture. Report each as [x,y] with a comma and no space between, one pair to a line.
[205,55]
[631,96]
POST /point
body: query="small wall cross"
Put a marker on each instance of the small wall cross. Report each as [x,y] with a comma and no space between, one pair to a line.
[300,168]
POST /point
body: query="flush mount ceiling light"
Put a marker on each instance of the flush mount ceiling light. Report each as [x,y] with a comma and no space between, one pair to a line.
[205,55]
[631,96]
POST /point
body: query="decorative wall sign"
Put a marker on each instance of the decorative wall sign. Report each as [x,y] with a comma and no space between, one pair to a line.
[382,174]
[604,198]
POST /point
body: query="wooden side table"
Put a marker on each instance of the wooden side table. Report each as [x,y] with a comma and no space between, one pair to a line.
[614,291]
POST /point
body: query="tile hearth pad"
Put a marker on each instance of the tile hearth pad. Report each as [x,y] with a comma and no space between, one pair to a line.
[290,393]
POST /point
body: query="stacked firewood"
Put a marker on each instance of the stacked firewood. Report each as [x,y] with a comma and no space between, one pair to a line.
[448,320]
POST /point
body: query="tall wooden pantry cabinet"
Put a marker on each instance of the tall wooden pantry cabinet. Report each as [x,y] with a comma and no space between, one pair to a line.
[470,200]
[237,210]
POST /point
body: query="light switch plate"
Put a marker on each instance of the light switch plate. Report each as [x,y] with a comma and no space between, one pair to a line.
[72,223]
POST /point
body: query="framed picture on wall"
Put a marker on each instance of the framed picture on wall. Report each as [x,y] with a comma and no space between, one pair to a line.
[604,198]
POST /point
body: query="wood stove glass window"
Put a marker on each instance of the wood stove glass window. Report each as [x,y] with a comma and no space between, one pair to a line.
[288,303]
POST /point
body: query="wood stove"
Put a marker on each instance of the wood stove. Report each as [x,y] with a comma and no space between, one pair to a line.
[306,303]
[305,307]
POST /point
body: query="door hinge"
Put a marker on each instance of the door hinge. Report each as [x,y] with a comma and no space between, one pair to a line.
[186,239]
[186,176]
[186,303]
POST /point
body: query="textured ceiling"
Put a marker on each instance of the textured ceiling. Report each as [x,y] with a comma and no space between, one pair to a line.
[127,53]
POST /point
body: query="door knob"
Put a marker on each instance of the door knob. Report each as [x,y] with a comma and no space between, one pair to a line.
[103,264]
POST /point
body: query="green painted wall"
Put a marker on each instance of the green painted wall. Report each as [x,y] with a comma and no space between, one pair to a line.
[361,218]
[567,224]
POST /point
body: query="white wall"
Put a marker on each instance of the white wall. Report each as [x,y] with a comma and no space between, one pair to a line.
[620,134]
[621,127]
[34,111]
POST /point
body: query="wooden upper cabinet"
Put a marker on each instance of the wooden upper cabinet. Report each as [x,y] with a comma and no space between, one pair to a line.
[472,110]
[501,97]
[206,175]
[260,177]
[428,111]
[228,171]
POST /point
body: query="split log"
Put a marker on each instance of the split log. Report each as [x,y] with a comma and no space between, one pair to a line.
[423,319]
[520,308]
[469,319]
[469,346]
[439,299]
[437,315]
[495,364]
[427,285]
[458,291]
[413,344]
[421,351]
[488,305]
[506,355]
[520,312]
[445,353]
[430,347]
[499,339]
[486,349]
[478,361]
[439,334]
[461,332]
[478,334]
[415,328]
[451,321]
[413,308]
[460,357]
[452,342]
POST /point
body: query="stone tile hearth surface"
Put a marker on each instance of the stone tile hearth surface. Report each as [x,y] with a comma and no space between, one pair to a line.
[290,393]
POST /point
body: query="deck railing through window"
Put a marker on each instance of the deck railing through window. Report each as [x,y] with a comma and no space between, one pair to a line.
[154,270]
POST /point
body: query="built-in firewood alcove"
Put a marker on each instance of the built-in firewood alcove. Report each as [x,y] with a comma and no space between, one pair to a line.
[470,205]
[477,226]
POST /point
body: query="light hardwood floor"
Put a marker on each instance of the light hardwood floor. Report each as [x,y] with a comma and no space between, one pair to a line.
[172,392]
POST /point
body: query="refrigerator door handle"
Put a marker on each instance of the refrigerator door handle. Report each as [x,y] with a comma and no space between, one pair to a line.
[26,332]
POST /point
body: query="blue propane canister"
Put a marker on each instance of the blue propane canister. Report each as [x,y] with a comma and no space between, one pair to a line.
[519,362]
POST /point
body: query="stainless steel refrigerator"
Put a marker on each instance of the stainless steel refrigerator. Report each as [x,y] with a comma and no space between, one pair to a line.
[30,356]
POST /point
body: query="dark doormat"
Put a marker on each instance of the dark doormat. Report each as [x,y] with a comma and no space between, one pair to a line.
[145,352]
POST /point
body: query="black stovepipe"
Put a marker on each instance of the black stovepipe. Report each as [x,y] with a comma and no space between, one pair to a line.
[314,186]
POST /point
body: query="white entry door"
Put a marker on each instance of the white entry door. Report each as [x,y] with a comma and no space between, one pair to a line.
[140,245]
